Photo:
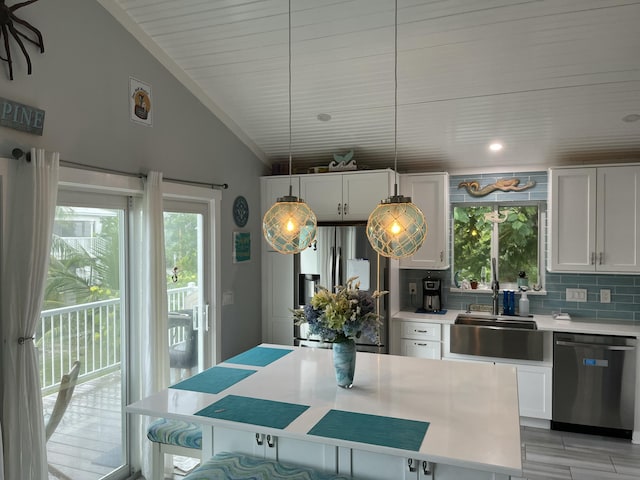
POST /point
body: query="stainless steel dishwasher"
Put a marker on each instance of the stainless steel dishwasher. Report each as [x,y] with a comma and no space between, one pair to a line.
[593,383]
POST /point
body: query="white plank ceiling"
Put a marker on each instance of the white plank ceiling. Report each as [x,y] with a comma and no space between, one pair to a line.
[550,79]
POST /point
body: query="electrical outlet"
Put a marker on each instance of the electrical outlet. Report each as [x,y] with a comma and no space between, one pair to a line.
[412,289]
[605,295]
[576,294]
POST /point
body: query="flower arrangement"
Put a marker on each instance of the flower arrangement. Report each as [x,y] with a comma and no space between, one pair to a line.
[347,314]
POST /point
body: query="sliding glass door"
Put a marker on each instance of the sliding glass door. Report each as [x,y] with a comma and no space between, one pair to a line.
[185,234]
[83,329]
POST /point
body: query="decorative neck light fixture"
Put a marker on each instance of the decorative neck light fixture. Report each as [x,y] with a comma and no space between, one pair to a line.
[289,226]
[396,228]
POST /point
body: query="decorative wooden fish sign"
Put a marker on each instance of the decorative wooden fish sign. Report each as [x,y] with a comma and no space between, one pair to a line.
[503,184]
[343,162]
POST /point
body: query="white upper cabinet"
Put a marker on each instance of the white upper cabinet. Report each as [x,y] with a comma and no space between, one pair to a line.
[430,193]
[345,197]
[272,188]
[595,219]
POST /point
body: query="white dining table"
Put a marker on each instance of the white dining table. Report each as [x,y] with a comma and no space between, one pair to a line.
[471,411]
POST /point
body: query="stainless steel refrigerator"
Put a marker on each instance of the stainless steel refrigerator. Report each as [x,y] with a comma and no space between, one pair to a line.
[339,253]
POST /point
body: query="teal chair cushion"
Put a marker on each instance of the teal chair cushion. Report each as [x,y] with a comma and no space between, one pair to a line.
[175,432]
[231,466]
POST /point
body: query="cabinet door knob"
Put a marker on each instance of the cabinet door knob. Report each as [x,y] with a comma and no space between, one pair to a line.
[346,209]
[593,258]
[411,465]
[600,258]
[426,467]
[339,209]
[259,438]
[442,255]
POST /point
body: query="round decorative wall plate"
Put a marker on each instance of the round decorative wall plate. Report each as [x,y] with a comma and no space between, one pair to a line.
[240,211]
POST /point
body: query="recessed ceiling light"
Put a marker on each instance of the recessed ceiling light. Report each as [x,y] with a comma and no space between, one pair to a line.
[495,147]
[324,117]
[632,117]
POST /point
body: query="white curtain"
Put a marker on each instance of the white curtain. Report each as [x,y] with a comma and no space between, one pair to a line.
[33,193]
[150,301]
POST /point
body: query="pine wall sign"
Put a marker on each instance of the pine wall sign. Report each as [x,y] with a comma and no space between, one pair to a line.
[11,26]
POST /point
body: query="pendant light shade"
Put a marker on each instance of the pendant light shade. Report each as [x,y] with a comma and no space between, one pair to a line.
[289,226]
[396,228]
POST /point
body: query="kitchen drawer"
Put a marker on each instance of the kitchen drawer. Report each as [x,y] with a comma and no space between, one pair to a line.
[421,331]
[420,349]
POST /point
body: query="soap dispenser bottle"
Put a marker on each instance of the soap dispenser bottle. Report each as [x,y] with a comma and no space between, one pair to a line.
[524,304]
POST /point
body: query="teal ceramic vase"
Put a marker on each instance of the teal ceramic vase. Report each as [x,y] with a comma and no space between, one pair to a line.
[344,362]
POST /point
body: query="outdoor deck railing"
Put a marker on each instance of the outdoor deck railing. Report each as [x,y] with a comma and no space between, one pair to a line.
[88,332]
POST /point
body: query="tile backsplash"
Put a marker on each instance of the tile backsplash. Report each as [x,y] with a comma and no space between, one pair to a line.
[625,295]
[625,289]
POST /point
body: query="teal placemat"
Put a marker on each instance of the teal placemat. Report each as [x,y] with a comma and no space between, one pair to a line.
[259,356]
[214,380]
[372,429]
[255,411]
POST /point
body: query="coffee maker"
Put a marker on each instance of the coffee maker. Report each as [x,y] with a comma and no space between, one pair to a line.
[431,295]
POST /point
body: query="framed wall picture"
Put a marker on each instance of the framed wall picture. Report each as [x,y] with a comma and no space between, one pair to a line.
[241,247]
[140,102]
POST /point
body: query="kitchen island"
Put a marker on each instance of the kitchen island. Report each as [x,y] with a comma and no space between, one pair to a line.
[404,417]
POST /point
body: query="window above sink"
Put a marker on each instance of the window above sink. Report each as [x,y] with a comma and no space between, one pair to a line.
[511,232]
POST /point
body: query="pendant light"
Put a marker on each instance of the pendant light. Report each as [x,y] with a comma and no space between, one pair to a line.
[289,226]
[396,228]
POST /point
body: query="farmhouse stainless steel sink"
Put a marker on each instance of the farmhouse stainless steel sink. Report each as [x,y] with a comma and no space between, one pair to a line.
[496,336]
[496,322]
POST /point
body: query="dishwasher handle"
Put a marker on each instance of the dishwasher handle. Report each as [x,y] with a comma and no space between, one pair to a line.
[599,346]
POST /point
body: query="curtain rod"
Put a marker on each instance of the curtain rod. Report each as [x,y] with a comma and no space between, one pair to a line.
[18,153]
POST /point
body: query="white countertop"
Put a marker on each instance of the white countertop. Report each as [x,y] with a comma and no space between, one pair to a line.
[472,408]
[544,322]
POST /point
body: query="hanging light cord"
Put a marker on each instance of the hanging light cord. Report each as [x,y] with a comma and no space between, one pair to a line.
[290,184]
[395,101]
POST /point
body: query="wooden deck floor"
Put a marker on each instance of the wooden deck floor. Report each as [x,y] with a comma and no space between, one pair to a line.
[88,441]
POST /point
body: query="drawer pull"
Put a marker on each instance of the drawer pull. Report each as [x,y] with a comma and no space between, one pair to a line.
[421,331]
[421,344]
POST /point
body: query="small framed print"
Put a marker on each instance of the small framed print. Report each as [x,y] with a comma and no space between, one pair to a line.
[140,102]
[241,247]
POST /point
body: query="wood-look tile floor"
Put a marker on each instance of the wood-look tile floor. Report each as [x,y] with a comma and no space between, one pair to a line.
[554,455]
[550,454]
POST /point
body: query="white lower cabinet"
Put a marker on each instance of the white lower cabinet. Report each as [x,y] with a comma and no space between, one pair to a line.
[420,339]
[534,391]
[376,466]
[282,449]
[534,388]
[360,464]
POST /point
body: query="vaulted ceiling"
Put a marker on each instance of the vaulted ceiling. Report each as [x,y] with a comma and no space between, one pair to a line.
[555,81]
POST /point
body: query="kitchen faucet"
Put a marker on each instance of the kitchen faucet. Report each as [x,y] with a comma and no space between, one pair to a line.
[495,287]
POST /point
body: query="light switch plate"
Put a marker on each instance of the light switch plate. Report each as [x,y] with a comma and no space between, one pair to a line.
[605,295]
[227,297]
[576,295]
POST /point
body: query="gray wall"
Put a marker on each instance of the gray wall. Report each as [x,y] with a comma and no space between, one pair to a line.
[82,82]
